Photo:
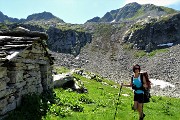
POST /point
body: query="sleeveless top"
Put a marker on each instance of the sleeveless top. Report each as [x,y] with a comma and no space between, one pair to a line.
[138,84]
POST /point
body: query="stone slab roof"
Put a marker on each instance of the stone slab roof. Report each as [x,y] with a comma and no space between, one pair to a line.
[12,42]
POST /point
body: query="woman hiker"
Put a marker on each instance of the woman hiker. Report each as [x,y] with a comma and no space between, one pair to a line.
[137,85]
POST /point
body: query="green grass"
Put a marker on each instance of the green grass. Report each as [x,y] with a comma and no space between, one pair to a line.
[60,70]
[154,52]
[142,53]
[140,12]
[3,26]
[128,46]
[137,26]
[168,10]
[98,104]
[139,53]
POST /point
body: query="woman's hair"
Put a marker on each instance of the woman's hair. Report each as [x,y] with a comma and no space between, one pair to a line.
[136,66]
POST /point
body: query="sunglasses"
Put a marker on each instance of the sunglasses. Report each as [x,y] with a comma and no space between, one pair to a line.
[136,68]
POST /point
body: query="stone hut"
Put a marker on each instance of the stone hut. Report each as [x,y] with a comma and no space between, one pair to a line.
[25,67]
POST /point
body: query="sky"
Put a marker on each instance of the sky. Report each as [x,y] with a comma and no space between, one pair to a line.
[72,11]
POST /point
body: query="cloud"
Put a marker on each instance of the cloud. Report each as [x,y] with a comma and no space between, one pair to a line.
[155,2]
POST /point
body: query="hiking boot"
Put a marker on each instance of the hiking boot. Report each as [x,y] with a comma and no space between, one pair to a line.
[144,115]
[141,118]
[133,108]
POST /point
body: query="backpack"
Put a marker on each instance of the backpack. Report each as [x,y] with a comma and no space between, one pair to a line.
[147,95]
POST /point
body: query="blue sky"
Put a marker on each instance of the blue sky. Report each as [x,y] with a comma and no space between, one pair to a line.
[72,11]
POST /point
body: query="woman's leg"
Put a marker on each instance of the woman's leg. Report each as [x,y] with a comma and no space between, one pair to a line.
[135,105]
[140,109]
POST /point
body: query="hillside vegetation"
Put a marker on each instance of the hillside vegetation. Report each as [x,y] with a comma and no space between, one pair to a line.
[98,104]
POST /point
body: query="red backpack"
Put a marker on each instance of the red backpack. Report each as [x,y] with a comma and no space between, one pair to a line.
[148,82]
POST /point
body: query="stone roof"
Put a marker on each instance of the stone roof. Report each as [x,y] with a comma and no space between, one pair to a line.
[11,42]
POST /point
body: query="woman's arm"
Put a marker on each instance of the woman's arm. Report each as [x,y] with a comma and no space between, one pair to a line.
[126,85]
[144,82]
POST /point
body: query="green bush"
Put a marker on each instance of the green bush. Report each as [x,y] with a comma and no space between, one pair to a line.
[85,99]
[33,107]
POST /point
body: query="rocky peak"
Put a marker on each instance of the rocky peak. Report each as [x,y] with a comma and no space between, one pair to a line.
[95,19]
[133,4]
[43,16]
[128,11]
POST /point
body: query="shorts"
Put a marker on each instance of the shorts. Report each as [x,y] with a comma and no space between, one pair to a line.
[139,97]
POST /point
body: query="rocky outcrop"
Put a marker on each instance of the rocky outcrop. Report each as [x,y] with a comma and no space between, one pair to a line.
[69,41]
[154,33]
[95,19]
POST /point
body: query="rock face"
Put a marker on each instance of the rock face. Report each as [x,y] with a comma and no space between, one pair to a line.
[154,33]
[69,41]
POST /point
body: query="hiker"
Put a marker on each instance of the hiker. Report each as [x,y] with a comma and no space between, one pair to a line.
[138,86]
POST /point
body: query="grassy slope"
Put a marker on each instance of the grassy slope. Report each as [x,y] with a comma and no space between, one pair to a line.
[98,104]
[104,99]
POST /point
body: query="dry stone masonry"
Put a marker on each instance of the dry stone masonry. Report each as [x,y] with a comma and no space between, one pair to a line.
[25,67]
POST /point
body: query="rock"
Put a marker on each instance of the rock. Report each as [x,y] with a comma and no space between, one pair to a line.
[69,41]
[61,79]
[3,72]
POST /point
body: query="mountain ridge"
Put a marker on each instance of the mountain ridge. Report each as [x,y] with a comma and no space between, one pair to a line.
[133,11]
[35,17]
[130,12]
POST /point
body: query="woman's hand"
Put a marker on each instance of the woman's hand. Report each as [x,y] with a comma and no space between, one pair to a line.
[145,86]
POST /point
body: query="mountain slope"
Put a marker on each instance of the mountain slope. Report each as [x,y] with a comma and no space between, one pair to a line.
[5,18]
[114,47]
[44,16]
[134,11]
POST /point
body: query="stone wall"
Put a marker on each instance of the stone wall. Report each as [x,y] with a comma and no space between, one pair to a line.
[28,72]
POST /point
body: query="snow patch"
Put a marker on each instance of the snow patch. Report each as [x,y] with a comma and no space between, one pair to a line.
[12,55]
[167,44]
[113,21]
[162,84]
[126,95]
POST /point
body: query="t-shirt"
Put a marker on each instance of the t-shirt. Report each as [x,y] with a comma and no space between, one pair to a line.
[138,84]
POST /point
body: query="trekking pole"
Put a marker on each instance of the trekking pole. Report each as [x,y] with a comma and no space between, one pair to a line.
[117,102]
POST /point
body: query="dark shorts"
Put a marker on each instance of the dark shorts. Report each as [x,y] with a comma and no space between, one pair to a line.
[139,97]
